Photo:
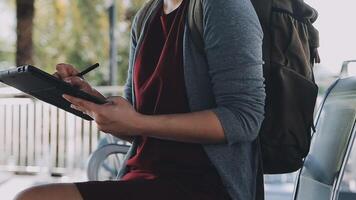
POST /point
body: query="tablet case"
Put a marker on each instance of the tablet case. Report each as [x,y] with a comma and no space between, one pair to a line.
[46,87]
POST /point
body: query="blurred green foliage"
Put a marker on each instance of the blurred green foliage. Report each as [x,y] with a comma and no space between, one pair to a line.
[77,32]
[7,54]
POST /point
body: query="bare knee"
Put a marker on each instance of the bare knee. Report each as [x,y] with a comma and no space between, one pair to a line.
[52,191]
[28,194]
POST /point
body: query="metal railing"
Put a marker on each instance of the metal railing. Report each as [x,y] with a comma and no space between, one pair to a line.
[35,135]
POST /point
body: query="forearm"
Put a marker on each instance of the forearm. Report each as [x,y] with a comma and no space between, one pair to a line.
[120,119]
[125,138]
[199,127]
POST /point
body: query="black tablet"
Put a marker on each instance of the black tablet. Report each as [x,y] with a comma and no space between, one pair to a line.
[46,87]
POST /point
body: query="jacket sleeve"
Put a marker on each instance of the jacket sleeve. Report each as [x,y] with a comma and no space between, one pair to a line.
[133,43]
[233,46]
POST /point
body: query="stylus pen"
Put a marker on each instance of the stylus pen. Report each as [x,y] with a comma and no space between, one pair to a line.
[82,73]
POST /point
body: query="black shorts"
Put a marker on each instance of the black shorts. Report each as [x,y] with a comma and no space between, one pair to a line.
[157,189]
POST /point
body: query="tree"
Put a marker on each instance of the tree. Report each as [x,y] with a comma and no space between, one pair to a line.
[24,46]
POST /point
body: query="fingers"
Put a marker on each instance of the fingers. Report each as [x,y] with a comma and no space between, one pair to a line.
[83,110]
[116,100]
[65,70]
[83,85]
[56,75]
[83,105]
[78,82]
[78,108]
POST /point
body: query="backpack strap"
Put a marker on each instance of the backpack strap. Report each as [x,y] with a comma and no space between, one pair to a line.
[195,23]
[313,36]
[263,9]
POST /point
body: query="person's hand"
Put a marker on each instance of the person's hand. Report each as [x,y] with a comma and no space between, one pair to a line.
[65,70]
[116,117]
[67,73]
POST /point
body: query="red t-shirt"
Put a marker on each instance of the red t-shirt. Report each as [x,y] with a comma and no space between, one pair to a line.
[160,89]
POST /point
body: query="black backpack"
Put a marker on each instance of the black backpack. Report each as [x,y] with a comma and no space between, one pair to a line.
[289,50]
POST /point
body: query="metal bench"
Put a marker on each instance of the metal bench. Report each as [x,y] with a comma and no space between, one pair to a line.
[323,169]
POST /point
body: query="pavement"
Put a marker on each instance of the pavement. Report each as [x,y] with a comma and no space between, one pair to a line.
[5,176]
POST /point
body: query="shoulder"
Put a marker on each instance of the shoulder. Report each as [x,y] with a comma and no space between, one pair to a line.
[228,4]
[230,12]
[231,19]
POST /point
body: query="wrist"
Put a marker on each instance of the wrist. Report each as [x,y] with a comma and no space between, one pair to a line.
[140,124]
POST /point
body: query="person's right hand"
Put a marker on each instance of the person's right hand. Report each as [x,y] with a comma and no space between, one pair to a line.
[67,73]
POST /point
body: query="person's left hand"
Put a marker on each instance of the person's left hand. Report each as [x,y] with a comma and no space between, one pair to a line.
[116,117]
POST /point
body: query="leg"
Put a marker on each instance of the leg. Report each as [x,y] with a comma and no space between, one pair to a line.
[66,191]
